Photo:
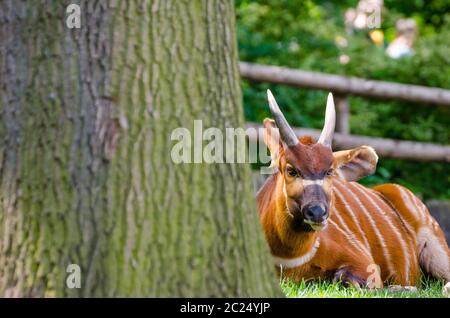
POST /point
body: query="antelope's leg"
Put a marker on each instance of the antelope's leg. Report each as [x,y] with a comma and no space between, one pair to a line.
[434,256]
[358,277]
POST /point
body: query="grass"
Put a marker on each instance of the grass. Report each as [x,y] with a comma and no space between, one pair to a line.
[322,289]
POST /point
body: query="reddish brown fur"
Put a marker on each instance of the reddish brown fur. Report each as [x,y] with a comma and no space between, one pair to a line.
[311,159]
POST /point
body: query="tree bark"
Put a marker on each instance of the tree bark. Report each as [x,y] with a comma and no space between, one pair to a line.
[85,168]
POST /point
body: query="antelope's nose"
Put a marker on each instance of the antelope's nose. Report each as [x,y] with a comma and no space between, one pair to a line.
[315,213]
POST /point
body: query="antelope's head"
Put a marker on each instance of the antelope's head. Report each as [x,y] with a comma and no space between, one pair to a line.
[307,167]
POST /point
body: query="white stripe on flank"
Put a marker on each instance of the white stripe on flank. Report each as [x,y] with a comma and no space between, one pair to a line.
[405,253]
[351,239]
[413,200]
[423,209]
[297,261]
[354,217]
[374,226]
[393,211]
[408,202]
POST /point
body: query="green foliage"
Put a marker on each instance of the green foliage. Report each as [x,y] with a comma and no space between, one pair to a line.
[303,34]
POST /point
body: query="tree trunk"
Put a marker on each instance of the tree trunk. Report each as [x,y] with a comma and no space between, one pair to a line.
[85,167]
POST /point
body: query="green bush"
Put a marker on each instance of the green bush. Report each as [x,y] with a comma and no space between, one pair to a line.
[302,34]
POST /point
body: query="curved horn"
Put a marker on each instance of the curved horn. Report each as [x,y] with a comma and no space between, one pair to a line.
[287,134]
[326,137]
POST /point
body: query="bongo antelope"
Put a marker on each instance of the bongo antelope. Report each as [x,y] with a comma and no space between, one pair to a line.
[320,223]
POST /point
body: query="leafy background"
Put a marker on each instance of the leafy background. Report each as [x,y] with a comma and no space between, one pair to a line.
[302,34]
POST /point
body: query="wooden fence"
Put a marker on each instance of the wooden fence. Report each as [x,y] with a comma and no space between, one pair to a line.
[343,86]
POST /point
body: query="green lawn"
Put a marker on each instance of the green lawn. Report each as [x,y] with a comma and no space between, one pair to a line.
[321,289]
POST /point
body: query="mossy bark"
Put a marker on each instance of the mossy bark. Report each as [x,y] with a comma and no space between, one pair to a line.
[85,169]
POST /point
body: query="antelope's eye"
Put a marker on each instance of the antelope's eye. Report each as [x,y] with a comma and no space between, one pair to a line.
[291,172]
[330,172]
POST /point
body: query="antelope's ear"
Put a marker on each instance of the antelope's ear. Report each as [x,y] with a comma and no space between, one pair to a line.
[354,164]
[272,140]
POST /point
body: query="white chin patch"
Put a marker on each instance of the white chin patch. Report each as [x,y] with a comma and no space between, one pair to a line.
[317,226]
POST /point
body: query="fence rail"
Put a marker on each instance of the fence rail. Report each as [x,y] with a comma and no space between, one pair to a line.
[388,148]
[345,85]
[342,86]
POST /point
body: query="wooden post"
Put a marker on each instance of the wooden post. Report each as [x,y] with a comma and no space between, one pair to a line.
[342,114]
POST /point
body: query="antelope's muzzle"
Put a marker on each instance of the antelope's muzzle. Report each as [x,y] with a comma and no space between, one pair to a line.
[315,213]
[315,205]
